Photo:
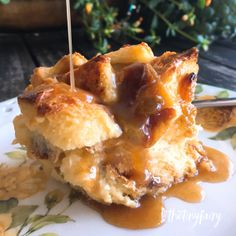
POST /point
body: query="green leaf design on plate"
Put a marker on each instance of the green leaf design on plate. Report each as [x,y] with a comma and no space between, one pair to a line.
[233,141]
[48,234]
[223,94]
[47,220]
[225,134]
[21,213]
[34,218]
[53,198]
[18,155]
[21,148]
[198,89]
[7,205]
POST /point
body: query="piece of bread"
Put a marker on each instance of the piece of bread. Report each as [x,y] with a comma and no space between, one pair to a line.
[127,131]
[96,76]
[68,120]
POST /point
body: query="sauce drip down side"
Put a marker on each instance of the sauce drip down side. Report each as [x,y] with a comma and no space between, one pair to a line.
[151,212]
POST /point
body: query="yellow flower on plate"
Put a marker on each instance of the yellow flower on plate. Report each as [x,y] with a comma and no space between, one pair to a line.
[5,222]
[11,232]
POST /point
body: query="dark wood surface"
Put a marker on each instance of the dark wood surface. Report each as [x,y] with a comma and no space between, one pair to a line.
[21,53]
[15,66]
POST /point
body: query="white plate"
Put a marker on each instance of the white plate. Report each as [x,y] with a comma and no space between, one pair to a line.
[216,215]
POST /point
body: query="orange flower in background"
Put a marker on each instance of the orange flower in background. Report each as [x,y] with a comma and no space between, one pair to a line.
[88,7]
[208,3]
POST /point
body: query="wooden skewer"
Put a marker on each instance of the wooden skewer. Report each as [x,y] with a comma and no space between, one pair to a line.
[68,14]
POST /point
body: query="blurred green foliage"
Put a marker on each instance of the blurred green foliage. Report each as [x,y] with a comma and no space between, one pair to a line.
[198,21]
[4,1]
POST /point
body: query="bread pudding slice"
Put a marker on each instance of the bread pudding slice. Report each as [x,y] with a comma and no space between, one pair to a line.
[128,130]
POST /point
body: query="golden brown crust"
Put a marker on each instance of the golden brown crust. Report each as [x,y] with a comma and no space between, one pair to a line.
[67,119]
[172,59]
[51,98]
[132,53]
[95,76]
[41,74]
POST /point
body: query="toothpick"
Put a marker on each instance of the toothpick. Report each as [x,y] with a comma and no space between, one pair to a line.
[72,76]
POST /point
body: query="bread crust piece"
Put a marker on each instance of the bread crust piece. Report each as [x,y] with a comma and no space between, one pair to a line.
[87,148]
[96,76]
[68,120]
[131,53]
[41,74]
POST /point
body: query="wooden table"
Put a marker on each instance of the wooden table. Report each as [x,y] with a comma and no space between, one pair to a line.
[21,53]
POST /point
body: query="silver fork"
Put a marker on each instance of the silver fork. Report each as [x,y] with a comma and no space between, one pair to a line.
[218,102]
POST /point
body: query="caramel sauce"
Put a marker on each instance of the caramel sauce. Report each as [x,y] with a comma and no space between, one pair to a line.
[145,110]
[151,212]
[188,191]
[129,159]
[145,106]
[222,167]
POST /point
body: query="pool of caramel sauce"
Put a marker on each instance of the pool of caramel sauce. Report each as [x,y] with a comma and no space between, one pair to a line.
[151,212]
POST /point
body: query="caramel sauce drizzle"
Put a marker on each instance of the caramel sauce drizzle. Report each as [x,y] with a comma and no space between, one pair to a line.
[151,212]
